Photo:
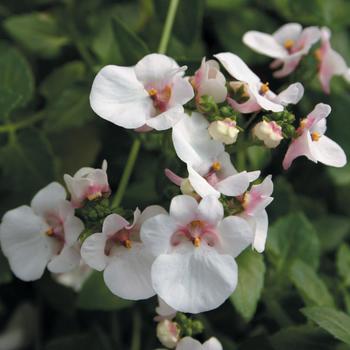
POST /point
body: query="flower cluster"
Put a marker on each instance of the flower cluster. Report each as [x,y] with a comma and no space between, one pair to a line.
[185,255]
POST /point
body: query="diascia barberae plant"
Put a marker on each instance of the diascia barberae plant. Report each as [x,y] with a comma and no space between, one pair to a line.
[216,126]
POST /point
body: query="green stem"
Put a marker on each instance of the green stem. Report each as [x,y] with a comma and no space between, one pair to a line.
[133,154]
[136,333]
[10,127]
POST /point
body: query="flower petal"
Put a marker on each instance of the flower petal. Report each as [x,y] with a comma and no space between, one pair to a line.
[117,96]
[264,102]
[167,119]
[24,243]
[329,152]
[236,235]
[320,112]
[189,343]
[234,185]
[183,209]
[212,344]
[113,223]
[194,281]
[181,92]
[292,95]
[261,224]
[210,210]
[67,260]
[128,274]
[289,31]
[73,227]
[93,251]
[200,184]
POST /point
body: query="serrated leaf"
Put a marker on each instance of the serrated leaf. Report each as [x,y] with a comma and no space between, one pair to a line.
[71,109]
[132,47]
[333,321]
[251,273]
[15,74]
[38,32]
[343,263]
[96,296]
[290,238]
[310,287]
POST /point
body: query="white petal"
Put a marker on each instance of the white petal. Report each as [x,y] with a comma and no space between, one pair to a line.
[264,102]
[189,343]
[261,224]
[234,185]
[195,281]
[113,223]
[237,68]
[210,210]
[212,344]
[48,199]
[214,88]
[236,235]
[149,212]
[292,95]
[253,175]
[320,112]
[24,243]
[156,233]
[164,309]
[117,96]
[265,44]
[309,37]
[289,31]
[183,209]
[181,92]
[329,152]
[167,119]
[73,227]
[67,260]
[227,168]
[289,65]
[128,274]
[93,251]
[200,184]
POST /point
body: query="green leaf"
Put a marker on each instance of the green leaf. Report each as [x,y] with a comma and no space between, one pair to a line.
[70,109]
[293,237]
[38,32]
[310,287]
[251,273]
[258,156]
[343,263]
[333,321]
[132,48]
[74,342]
[96,296]
[61,79]
[9,100]
[5,272]
[15,74]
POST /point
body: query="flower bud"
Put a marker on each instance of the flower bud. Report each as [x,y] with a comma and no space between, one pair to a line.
[168,333]
[240,91]
[268,132]
[224,131]
[186,187]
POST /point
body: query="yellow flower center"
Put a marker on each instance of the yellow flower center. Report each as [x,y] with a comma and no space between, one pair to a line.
[127,243]
[288,44]
[49,232]
[216,166]
[152,92]
[93,196]
[315,136]
[264,88]
[197,242]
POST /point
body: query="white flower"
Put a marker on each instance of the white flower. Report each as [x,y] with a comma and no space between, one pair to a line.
[268,132]
[287,45]
[152,93]
[254,203]
[118,251]
[168,333]
[208,80]
[331,62]
[312,143]
[44,234]
[189,343]
[261,97]
[194,249]
[224,131]
[87,183]
[209,167]
[164,311]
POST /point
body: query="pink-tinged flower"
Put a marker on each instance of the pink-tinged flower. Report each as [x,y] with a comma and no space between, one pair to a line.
[268,132]
[331,62]
[168,333]
[164,311]
[194,249]
[87,184]
[260,95]
[189,343]
[209,166]
[208,80]
[224,131]
[287,45]
[254,203]
[44,234]
[152,93]
[119,252]
[312,143]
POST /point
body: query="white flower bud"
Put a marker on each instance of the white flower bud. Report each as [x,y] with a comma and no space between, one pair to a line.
[168,333]
[268,132]
[224,131]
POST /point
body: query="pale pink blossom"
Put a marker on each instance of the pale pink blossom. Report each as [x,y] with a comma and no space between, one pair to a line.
[168,333]
[268,132]
[224,131]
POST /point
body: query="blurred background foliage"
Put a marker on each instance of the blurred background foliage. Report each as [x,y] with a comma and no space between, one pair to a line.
[297,294]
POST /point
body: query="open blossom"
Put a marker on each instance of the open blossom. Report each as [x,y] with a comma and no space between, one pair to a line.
[312,143]
[268,132]
[168,333]
[260,95]
[331,62]
[224,131]
[44,234]
[209,166]
[208,80]
[150,94]
[87,183]
[287,45]
[194,249]
[119,252]
[189,343]
[254,203]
